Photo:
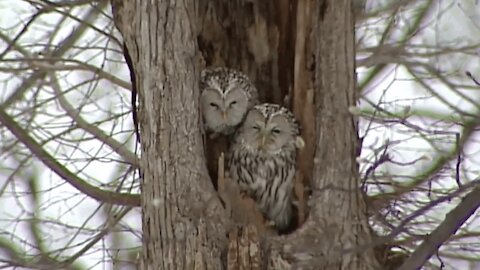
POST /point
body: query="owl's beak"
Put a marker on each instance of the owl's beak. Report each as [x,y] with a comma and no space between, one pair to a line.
[262,140]
[225,115]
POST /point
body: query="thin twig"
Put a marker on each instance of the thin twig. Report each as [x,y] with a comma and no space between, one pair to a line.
[453,221]
[473,78]
[72,178]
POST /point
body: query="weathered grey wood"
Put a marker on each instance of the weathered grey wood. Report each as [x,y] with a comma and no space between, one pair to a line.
[183,221]
[310,58]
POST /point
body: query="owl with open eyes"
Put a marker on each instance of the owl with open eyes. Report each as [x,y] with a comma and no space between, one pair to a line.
[262,160]
[226,97]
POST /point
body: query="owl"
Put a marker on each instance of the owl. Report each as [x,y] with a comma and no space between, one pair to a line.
[261,160]
[226,96]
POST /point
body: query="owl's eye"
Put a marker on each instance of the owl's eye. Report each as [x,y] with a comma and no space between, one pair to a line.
[232,103]
[276,131]
[213,105]
[257,128]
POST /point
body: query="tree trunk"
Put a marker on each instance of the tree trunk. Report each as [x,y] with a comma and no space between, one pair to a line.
[338,211]
[298,52]
[336,234]
[183,222]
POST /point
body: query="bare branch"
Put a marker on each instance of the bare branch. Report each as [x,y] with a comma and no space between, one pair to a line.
[448,227]
[66,44]
[110,224]
[60,170]
[473,78]
[116,146]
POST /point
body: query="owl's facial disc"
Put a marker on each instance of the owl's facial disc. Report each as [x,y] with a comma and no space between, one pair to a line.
[223,111]
[267,135]
[212,107]
[235,103]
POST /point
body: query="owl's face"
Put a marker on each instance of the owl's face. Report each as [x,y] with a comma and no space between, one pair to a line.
[269,128]
[226,97]
[223,110]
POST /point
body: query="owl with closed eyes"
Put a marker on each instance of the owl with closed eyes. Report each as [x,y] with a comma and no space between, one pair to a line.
[226,97]
[262,160]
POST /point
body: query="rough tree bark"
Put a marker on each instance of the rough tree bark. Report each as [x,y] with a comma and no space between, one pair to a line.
[337,216]
[299,51]
[336,234]
[183,223]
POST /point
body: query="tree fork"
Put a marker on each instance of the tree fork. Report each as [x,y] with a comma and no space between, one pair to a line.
[288,52]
